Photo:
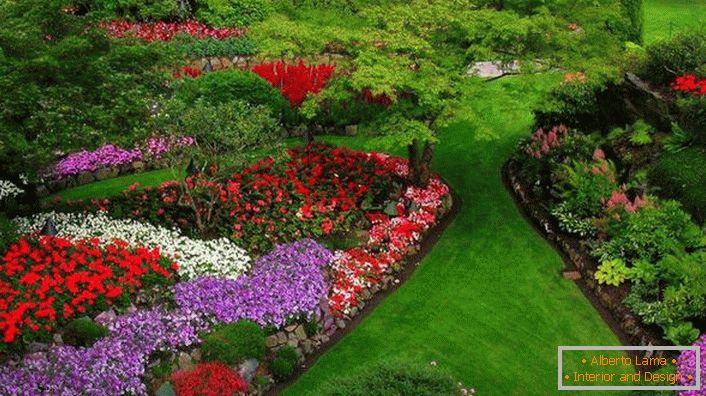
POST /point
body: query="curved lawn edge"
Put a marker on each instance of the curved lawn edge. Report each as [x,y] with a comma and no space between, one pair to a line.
[606,313]
[431,237]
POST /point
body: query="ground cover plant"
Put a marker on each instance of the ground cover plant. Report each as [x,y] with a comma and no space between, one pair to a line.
[271,243]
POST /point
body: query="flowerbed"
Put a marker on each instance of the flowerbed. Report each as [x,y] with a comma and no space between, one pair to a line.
[216,257]
[111,155]
[166,31]
[47,280]
[295,81]
[686,366]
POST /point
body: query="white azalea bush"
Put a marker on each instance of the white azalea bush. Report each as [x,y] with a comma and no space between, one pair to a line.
[217,257]
[8,189]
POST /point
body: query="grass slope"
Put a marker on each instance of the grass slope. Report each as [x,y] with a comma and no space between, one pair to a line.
[488,301]
[665,17]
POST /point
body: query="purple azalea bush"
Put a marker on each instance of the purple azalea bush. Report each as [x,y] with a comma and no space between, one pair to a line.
[112,155]
[686,365]
[290,280]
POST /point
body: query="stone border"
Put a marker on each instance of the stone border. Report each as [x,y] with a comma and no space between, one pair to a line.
[373,296]
[580,267]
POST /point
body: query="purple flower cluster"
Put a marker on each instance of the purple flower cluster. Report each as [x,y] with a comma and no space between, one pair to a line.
[686,365]
[90,161]
[157,146]
[112,155]
[114,365]
[290,280]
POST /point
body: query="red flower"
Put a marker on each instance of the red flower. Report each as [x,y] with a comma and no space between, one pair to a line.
[209,379]
[295,81]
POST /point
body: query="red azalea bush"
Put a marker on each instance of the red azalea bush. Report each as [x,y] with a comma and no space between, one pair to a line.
[689,83]
[188,71]
[295,81]
[209,379]
[165,31]
[45,281]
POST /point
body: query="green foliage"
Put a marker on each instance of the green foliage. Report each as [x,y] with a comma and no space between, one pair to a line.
[228,13]
[394,378]
[682,334]
[692,118]
[612,272]
[572,103]
[583,187]
[231,127]
[83,332]
[634,12]
[230,85]
[284,363]
[569,222]
[678,140]
[78,89]
[139,10]
[680,176]
[684,53]
[235,342]
[641,132]
[8,233]
[211,47]
[650,233]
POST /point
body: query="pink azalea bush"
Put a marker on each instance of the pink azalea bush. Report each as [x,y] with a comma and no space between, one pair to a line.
[542,142]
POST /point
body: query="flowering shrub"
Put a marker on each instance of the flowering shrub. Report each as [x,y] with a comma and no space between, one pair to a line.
[217,257]
[389,241]
[689,83]
[295,81]
[166,31]
[686,366]
[112,155]
[8,189]
[47,280]
[188,71]
[288,281]
[542,142]
[619,201]
[209,379]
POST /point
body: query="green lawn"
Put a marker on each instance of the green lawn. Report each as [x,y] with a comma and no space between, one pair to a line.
[488,301]
[665,17]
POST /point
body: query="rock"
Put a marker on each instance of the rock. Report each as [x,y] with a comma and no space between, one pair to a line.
[571,274]
[138,166]
[106,316]
[196,355]
[58,339]
[293,343]
[167,389]
[35,347]
[272,341]
[106,173]
[307,347]
[290,328]
[248,369]
[490,69]
[351,130]
[300,333]
[324,338]
[184,361]
[281,337]
[341,324]
[85,178]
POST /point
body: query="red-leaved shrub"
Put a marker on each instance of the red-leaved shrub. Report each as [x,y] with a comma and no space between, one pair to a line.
[295,81]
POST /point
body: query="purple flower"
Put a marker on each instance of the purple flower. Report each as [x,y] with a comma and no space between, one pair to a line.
[90,161]
[686,365]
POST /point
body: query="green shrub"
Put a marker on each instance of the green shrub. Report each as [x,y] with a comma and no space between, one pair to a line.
[139,10]
[8,233]
[211,47]
[571,103]
[229,13]
[634,13]
[650,233]
[681,176]
[230,85]
[284,363]
[670,58]
[583,187]
[394,378]
[692,118]
[233,343]
[83,332]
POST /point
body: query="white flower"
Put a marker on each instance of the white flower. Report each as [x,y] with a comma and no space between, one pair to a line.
[9,189]
[217,257]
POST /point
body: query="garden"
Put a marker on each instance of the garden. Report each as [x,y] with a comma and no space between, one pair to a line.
[346,197]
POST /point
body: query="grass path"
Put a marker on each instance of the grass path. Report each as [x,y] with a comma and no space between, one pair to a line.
[488,301]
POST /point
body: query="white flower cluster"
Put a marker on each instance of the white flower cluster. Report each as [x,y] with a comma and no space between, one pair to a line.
[217,257]
[9,189]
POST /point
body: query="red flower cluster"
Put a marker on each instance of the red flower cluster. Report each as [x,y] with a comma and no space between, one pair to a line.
[188,71]
[316,192]
[390,240]
[46,280]
[165,31]
[689,83]
[295,81]
[542,142]
[209,379]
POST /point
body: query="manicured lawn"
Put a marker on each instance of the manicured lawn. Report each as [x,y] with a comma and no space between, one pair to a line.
[665,17]
[488,301]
